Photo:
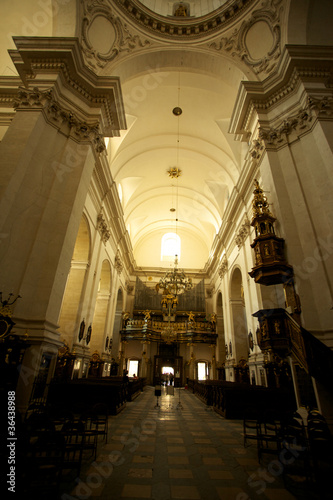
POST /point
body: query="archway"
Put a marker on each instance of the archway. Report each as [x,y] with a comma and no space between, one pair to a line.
[70,313]
[239,324]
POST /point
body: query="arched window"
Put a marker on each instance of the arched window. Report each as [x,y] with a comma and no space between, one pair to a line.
[170,246]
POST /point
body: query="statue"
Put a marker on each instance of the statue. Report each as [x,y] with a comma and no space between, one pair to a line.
[181,11]
[191,317]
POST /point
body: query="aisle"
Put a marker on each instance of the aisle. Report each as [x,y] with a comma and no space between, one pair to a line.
[178,450]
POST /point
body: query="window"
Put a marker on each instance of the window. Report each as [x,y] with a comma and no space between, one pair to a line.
[170,246]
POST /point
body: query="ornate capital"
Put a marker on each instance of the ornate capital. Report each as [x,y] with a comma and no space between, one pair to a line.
[129,287]
[223,267]
[57,115]
[243,233]
[103,228]
[292,126]
[118,263]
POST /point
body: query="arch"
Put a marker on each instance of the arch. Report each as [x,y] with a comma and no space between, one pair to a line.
[99,333]
[70,312]
[238,315]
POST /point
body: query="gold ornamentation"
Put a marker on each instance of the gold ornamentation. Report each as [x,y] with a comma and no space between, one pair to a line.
[174,172]
[260,204]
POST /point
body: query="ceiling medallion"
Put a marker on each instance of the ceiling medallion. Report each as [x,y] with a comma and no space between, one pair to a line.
[174,172]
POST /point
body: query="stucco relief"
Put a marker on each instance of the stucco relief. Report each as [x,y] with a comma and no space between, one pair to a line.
[243,233]
[257,42]
[104,35]
[44,99]
[292,126]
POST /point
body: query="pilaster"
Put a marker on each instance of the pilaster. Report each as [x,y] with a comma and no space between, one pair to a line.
[62,112]
[287,120]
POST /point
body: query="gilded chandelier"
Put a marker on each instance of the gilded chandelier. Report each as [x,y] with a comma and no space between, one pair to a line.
[175,281]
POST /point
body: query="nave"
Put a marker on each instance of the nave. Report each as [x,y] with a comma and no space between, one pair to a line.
[175,447]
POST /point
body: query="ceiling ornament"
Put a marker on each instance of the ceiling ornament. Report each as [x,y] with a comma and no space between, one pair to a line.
[174,172]
[97,18]
[238,45]
[184,27]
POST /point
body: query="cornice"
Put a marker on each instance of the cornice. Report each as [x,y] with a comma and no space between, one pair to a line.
[298,65]
[39,61]
[182,29]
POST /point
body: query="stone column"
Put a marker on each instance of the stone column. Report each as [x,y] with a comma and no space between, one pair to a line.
[47,157]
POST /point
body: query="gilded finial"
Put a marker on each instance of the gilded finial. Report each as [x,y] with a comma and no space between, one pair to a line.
[260,204]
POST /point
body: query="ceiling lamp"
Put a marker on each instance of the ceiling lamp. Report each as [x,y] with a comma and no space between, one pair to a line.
[175,281]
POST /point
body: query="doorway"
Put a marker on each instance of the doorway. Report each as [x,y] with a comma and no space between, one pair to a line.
[171,365]
[167,375]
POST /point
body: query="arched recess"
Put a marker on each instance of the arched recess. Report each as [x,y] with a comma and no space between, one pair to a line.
[221,352]
[70,313]
[117,325]
[98,337]
[238,314]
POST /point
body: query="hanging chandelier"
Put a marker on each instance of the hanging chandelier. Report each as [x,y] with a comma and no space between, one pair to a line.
[175,281]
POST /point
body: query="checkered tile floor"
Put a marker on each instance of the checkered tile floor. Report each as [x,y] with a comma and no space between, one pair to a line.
[180,449]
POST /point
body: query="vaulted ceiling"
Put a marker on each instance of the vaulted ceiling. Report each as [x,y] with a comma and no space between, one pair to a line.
[196,142]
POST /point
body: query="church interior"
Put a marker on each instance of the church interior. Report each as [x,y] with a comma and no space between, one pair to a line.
[166,245]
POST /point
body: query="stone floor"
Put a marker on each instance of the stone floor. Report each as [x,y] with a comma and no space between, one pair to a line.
[180,449]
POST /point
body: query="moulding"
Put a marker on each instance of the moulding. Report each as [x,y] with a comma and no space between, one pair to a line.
[298,65]
[44,100]
[292,126]
[44,61]
[184,28]
[235,45]
[124,40]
